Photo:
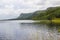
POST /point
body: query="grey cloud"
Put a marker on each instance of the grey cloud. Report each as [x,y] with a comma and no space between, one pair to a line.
[56,3]
[25,0]
[2,5]
[21,6]
[41,3]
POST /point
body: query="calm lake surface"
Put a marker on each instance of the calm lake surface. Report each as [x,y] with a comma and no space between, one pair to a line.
[26,30]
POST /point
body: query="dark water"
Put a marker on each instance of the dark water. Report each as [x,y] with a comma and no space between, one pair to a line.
[17,30]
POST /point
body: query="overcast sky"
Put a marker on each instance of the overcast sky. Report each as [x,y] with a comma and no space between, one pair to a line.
[12,8]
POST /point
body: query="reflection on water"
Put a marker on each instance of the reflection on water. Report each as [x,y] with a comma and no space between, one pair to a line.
[26,31]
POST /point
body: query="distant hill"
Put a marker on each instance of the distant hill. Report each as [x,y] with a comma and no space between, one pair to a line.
[48,14]
[26,16]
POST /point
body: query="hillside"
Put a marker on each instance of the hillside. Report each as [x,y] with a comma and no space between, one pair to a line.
[48,14]
[26,16]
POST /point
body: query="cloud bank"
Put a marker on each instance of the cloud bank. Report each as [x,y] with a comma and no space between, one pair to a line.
[12,8]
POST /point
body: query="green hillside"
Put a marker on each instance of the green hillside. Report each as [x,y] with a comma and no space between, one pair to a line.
[48,14]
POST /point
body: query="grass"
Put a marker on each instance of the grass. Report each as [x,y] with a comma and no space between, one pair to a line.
[56,21]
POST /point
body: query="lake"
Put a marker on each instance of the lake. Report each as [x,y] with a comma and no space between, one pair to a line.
[27,30]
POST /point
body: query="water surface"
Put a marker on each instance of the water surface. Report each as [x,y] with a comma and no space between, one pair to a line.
[26,30]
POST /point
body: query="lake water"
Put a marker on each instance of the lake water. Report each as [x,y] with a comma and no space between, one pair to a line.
[26,30]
